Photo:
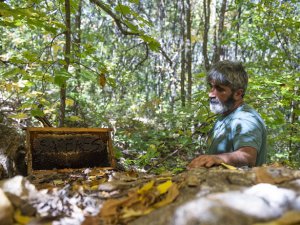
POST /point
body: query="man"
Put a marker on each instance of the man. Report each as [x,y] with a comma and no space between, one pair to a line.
[239,135]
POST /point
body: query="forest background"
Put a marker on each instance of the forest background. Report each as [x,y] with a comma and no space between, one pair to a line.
[139,67]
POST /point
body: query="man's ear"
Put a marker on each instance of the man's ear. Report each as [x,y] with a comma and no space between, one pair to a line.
[238,94]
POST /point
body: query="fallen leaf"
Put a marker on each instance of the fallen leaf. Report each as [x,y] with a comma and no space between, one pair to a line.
[172,194]
[111,206]
[58,182]
[20,219]
[164,187]
[146,187]
[289,218]
[228,166]
[127,212]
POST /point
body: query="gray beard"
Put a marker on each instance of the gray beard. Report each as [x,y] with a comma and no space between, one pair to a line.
[217,107]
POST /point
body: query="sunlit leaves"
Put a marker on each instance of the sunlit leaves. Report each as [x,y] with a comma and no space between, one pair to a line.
[27,16]
[123,9]
[61,76]
[37,112]
[152,43]
[134,1]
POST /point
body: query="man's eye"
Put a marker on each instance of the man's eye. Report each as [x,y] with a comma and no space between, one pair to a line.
[218,88]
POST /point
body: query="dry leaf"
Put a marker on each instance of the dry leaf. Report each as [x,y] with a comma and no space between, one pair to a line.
[102,80]
[141,201]
[127,213]
[172,194]
[58,182]
[110,207]
[289,218]
[146,187]
[164,187]
[228,166]
[20,219]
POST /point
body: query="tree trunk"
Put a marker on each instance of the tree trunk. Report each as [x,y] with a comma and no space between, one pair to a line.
[219,35]
[77,45]
[295,105]
[67,62]
[206,10]
[189,51]
[237,32]
[182,48]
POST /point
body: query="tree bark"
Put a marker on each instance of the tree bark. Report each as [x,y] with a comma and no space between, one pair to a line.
[77,46]
[189,51]
[206,11]
[182,48]
[219,36]
[237,32]
[67,62]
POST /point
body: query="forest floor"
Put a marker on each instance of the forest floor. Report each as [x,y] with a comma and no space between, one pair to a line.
[267,195]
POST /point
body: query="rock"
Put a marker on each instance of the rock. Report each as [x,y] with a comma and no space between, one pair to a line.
[6,210]
[18,190]
[230,197]
[257,203]
[18,186]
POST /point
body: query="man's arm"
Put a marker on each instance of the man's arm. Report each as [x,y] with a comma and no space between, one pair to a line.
[245,156]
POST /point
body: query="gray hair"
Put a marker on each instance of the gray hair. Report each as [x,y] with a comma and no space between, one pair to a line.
[230,74]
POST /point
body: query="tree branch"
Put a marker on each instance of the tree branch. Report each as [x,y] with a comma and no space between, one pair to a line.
[120,24]
[118,21]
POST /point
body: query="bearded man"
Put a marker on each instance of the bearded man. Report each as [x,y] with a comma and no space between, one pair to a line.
[239,135]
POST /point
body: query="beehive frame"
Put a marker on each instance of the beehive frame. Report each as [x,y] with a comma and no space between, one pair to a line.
[58,148]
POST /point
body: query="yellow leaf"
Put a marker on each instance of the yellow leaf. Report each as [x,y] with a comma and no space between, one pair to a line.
[164,187]
[94,188]
[20,219]
[127,213]
[146,187]
[69,102]
[228,166]
[170,197]
[58,182]
[8,87]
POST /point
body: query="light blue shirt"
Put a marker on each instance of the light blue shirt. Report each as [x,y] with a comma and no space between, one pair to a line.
[242,127]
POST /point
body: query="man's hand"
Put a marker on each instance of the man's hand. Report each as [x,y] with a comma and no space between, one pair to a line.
[205,161]
[245,156]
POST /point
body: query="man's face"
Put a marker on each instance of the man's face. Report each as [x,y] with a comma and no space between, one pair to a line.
[221,98]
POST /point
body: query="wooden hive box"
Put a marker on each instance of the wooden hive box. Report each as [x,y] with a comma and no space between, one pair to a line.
[60,148]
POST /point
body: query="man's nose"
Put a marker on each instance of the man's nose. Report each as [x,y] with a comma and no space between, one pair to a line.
[212,93]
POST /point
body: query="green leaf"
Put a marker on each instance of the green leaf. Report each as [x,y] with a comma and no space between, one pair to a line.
[152,43]
[74,118]
[135,1]
[37,112]
[61,77]
[125,10]
[11,73]
[18,116]
[132,27]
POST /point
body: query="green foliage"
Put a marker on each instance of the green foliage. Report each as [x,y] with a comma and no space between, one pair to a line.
[132,82]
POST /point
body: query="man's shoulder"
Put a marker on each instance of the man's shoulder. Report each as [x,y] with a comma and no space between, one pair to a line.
[245,111]
[247,114]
